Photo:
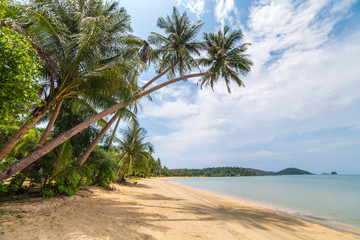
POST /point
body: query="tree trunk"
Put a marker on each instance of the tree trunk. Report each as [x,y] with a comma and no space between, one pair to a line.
[32,157]
[36,133]
[51,123]
[83,158]
[113,133]
[10,144]
[158,76]
[122,176]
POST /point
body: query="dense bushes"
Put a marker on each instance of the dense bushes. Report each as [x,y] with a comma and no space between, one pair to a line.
[102,167]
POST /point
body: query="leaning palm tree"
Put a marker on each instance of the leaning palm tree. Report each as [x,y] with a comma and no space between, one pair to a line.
[84,44]
[229,52]
[135,152]
[105,101]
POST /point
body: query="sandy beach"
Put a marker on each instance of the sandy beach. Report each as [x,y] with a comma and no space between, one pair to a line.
[153,209]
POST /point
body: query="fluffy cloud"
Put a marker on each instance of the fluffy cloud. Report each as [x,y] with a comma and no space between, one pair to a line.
[226,12]
[196,7]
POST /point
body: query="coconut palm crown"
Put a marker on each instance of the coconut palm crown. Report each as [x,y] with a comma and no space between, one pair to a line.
[225,58]
[178,47]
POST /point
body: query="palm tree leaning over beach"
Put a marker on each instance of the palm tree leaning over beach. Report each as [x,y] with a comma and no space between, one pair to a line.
[85,46]
[225,59]
[174,53]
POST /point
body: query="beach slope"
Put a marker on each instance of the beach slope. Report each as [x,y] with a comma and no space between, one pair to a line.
[154,209]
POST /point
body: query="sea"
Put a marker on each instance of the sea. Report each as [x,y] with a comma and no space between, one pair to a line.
[332,198]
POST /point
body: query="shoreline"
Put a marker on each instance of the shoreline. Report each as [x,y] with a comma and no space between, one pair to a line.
[154,209]
[345,226]
[294,213]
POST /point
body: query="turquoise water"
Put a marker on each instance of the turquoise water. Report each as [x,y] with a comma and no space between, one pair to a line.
[331,197]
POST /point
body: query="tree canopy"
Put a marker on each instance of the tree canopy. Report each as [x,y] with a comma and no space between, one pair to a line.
[89,54]
[19,75]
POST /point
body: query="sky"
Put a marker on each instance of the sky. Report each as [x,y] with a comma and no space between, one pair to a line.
[301,104]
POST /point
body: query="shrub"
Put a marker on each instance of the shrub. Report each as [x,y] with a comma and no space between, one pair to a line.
[3,190]
[67,186]
[102,167]
[47,192]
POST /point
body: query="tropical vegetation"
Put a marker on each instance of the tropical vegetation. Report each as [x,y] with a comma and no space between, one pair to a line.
[213,172]
[78,64]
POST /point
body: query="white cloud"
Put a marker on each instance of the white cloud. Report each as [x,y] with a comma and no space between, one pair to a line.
[226,12]
[196,7]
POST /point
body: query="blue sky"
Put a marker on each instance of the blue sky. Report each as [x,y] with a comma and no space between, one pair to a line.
[301,104]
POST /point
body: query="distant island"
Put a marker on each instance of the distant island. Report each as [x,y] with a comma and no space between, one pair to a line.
[293,171]
[232,172]
[332,173]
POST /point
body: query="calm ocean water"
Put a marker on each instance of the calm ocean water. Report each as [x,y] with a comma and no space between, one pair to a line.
[331,197]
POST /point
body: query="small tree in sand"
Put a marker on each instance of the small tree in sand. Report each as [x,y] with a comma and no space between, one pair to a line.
[135,152]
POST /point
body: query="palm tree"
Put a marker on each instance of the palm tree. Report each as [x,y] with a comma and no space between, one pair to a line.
[177,49]
[103,102]
[85,44]
[176,52]
[226,60]
[135,152]
[226,53]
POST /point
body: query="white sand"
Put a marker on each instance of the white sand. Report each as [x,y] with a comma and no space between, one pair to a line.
[154,209]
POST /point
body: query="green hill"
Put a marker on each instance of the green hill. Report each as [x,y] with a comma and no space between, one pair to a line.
[212,172]
[260,172]
[293,171]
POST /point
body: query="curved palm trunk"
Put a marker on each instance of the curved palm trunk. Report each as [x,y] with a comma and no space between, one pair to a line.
[113,133]
[32,157]
[10,144]
[158,76]
[51,123]
[83,158]
[122,175]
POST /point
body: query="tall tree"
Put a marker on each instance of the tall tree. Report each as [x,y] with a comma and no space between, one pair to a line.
[84,43]
[135,151]
[243,67]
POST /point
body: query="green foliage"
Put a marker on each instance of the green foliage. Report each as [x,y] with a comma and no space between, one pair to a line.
[135,152]
[166,172]
[19,74]
[67,186]
[47,193]
[67,119]
[3,4]
[178,46]
[225,58]
[293,171]
[3,190]
[212,172]
[6,131]
[155,167]
[102,167]
[16,182]
[64,157]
